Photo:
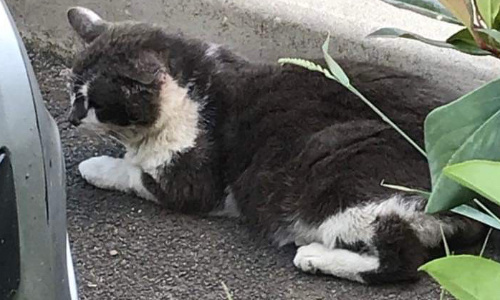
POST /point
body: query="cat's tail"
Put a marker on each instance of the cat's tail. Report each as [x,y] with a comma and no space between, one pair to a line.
[384,241]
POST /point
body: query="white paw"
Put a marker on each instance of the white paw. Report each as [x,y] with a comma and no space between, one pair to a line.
[98,171]
[309,258]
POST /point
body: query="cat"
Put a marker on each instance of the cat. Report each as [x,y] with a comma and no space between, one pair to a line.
[296,155]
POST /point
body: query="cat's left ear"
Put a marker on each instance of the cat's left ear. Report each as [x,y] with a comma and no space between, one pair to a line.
[87,24]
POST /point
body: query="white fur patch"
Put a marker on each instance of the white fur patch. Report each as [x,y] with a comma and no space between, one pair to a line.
[212,50]
[338,262]
[427,228]
[85,92]
[357,224]
[175,130]
[114,173]
[90,121]
[91,16]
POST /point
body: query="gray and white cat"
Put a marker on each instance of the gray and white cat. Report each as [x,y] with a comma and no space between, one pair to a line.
[297,155]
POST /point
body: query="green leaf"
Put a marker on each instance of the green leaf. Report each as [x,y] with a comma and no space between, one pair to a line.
[477,215]
[426,8]
[335,69]
[496,23]
[400,33]
[485,243]
[457,43]
[461,9]
[464,42]
[495,34]
[480,176]
[489,10]
[445,242]
[466,277]
[487,210]
[462,130]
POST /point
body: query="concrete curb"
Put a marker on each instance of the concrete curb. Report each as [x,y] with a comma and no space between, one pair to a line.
[267,30]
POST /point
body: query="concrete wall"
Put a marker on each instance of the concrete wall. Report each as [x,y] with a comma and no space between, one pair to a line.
[268,29]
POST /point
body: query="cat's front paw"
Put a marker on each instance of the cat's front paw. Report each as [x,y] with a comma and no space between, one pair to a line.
[98,171]
[309,257]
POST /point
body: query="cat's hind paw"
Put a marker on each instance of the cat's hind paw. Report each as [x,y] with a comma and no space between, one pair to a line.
[309,257]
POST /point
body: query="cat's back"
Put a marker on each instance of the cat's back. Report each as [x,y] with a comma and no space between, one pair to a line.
[291,101]
[289,115]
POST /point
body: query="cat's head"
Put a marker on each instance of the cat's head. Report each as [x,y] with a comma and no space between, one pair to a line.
[118,81]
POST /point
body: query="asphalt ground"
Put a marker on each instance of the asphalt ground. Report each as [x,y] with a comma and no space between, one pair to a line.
[127,248]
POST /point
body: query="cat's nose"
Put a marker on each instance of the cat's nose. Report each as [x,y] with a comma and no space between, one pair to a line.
[74,119]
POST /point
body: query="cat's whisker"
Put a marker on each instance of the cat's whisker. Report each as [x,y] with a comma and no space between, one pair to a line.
[114,138]
[102,137]
[77,77]
[120,137]
[92,132]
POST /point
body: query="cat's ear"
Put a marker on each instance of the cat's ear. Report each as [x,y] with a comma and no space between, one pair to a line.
[145,68]
[87,24]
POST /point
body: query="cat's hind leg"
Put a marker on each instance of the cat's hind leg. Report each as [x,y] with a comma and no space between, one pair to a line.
[381,242]
[111,173]
[393,253]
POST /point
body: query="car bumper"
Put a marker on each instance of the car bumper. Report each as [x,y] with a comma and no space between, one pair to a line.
[38,257]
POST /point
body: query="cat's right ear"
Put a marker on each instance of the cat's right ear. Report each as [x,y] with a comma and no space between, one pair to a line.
[87,24]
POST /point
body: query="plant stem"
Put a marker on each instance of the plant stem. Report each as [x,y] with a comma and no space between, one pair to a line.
[445,242]
[226,290]
[386,119]
[491,49]
[406,189]
[443,292]
[485,242]
[481,25]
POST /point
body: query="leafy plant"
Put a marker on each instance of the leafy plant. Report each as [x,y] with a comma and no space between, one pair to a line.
[427,8]
[462,139]
[456,273]
[465,276]
[480,18]
[463,130]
